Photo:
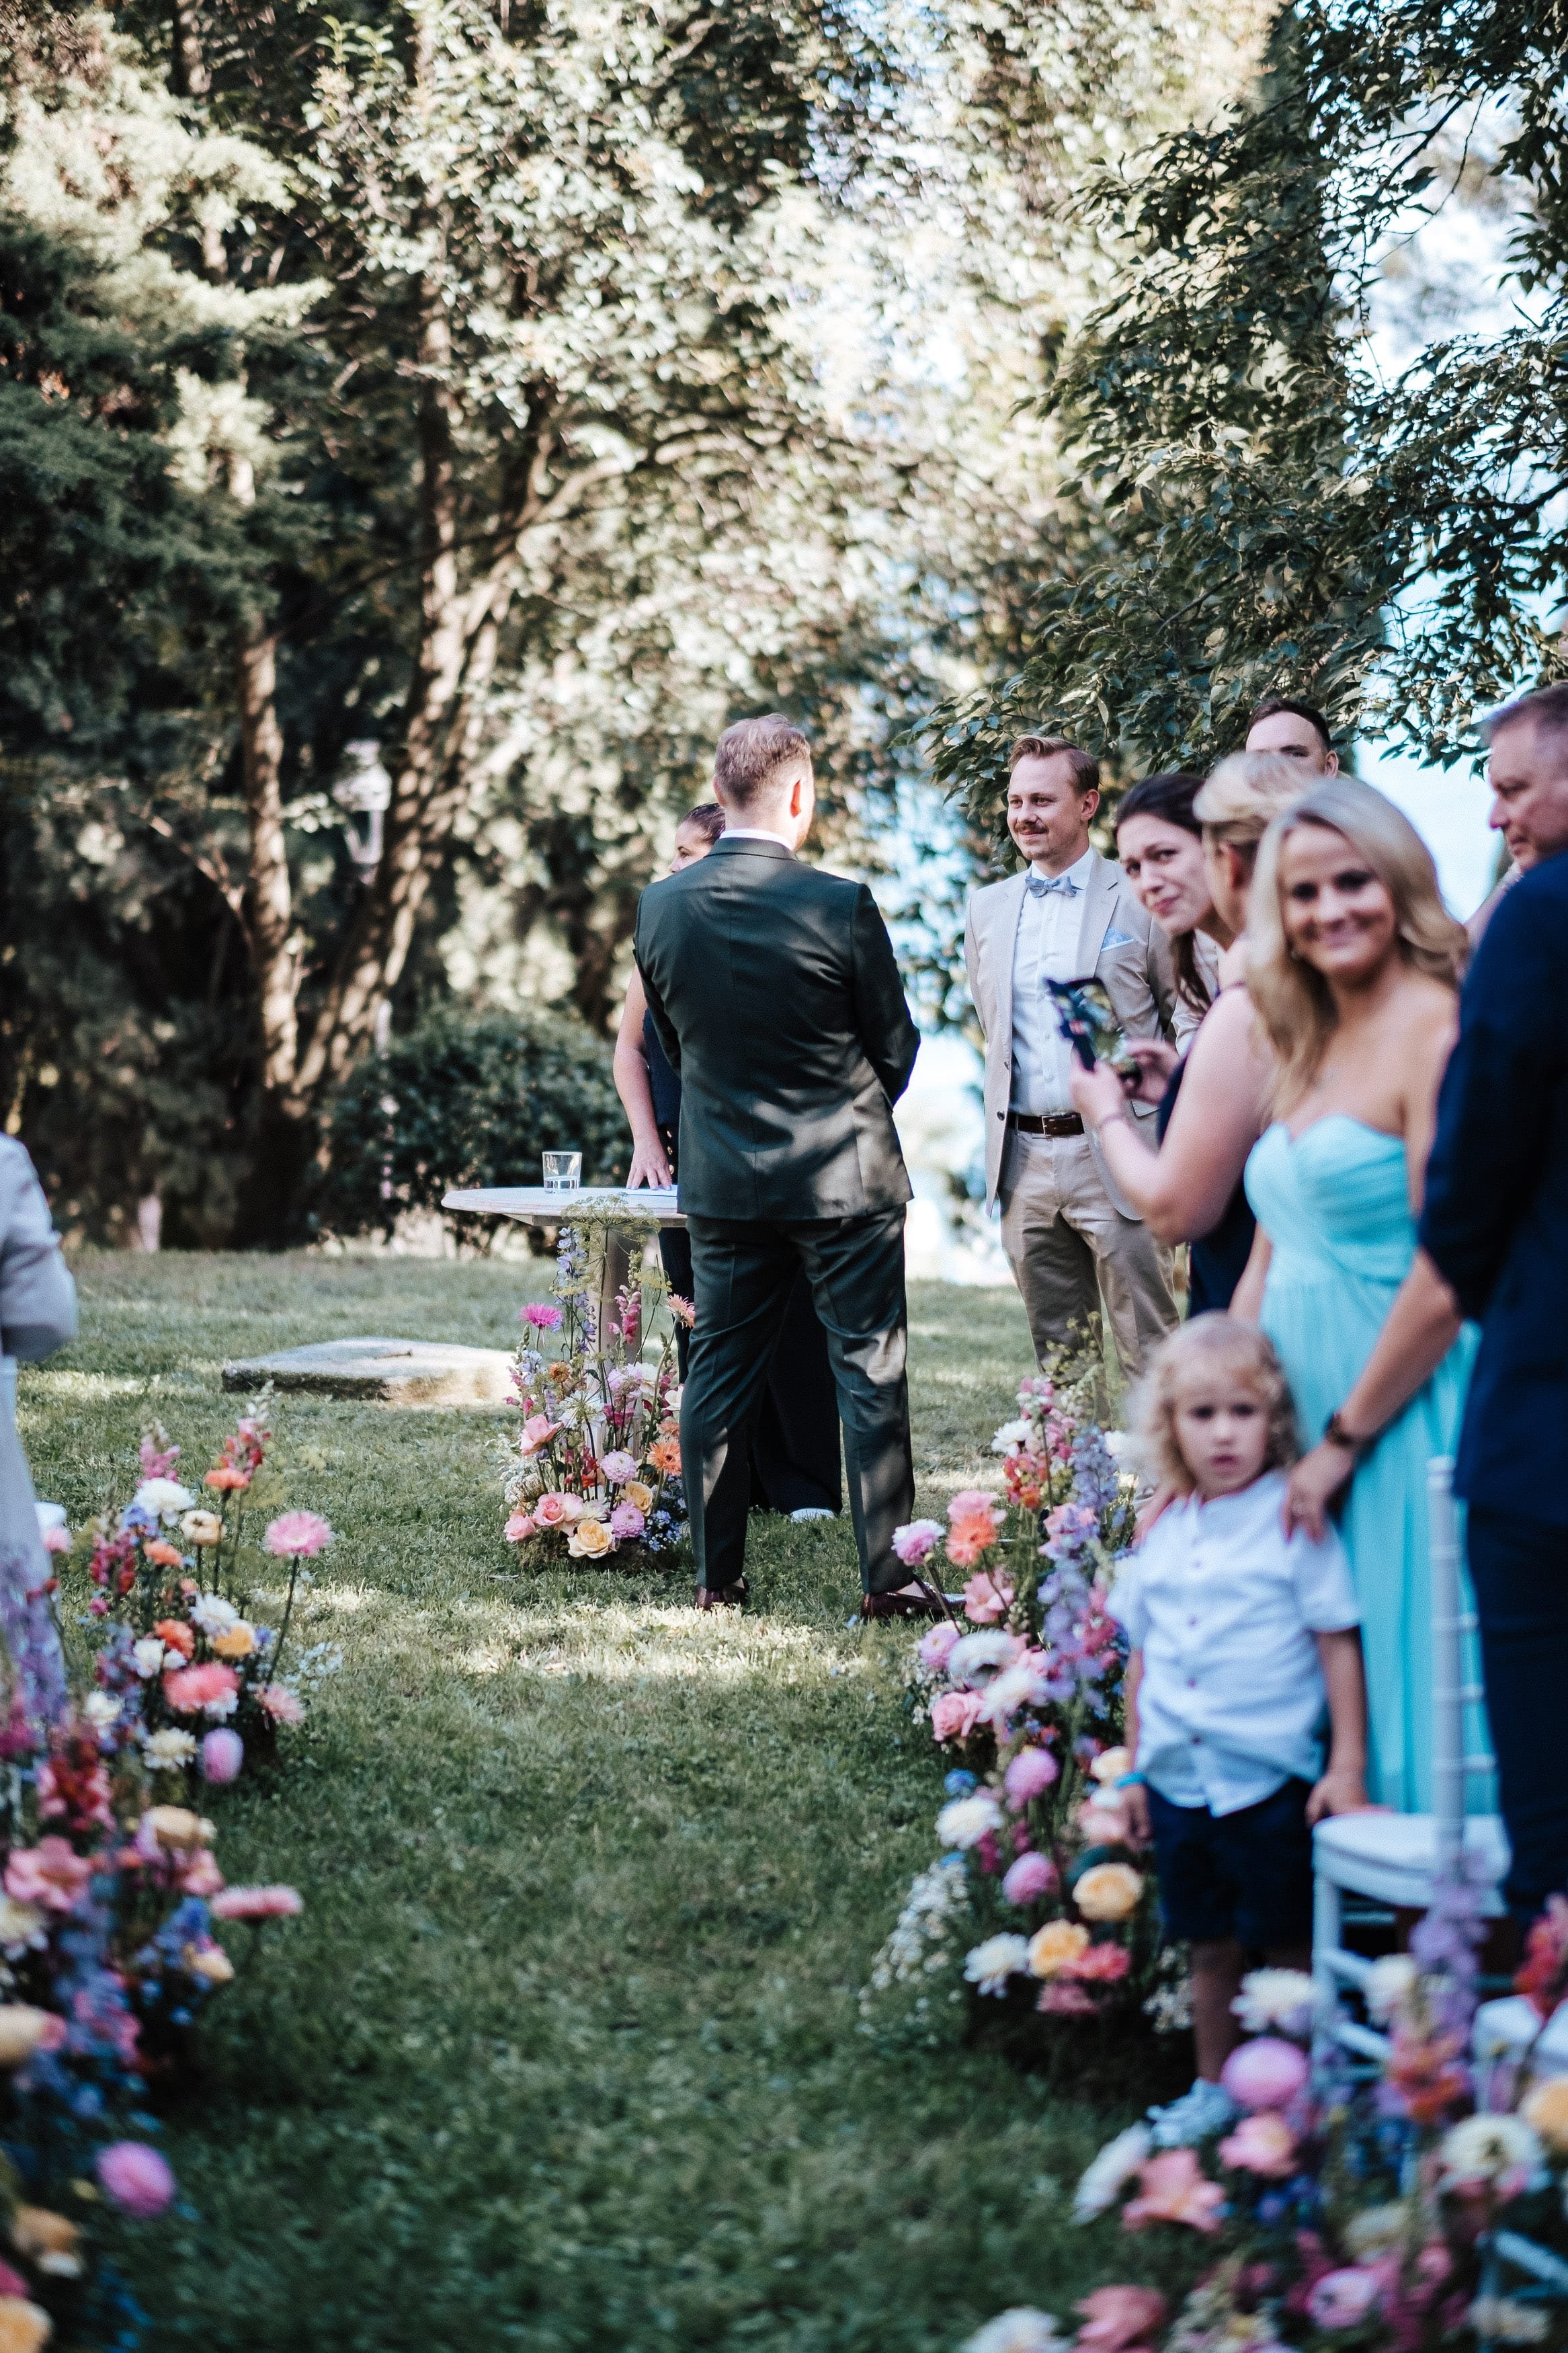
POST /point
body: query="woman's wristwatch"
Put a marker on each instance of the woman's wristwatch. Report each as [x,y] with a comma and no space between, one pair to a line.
[1336,1434]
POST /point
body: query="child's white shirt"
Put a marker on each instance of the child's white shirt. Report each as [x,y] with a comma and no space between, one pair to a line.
[1224,1609]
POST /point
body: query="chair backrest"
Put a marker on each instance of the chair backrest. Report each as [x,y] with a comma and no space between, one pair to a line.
[1447,1664]
[8,1388]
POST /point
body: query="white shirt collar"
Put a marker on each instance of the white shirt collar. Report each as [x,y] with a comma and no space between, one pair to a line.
[757,833]
[1078,874]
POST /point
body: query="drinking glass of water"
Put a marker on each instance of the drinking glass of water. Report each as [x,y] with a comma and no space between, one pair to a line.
[562,1172]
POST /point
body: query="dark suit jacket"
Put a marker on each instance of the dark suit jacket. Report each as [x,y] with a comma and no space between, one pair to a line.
[775,993]
[1496,1219]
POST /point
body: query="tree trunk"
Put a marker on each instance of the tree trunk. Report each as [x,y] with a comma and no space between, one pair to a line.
[188,66]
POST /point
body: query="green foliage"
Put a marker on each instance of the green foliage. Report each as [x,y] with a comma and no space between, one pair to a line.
[469,1100]
[563,2054]
[1275,506]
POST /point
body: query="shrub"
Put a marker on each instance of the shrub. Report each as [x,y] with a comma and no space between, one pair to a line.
[468,1100]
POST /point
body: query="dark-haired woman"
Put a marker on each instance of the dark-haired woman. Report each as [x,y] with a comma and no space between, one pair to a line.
[794,1447]
[1189,1190]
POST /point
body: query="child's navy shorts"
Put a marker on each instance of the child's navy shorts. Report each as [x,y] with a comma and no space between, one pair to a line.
[1247,1874]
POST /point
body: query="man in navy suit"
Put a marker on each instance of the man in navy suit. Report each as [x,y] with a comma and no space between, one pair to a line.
[1495,1225]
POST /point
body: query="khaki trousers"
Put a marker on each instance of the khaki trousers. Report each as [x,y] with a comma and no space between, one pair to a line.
[1073,1253]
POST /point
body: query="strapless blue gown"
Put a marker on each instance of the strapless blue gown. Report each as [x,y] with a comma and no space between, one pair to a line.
[1335,1204]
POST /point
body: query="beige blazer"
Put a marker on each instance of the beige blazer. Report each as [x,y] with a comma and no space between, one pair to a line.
[1118,942]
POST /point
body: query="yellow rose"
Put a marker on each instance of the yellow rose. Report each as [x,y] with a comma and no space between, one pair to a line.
[1053,1947]
[589,1539]
[237,1641]
[1108,1891]
[201,1528]
[23,2326]
[213,1965]
[1111,1766]
[639,1495]
[48,2239]
[177,1828]
[1546,2109]
[22,2029]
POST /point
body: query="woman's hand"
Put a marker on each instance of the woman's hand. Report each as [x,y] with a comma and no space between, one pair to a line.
[1155,1061]
[1134,1800]
[1096,1093]
[1313,1483]
[1158,1504]
[649,1165]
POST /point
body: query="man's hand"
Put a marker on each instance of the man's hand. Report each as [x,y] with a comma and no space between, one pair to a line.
[1134,1800]
[1341,1790]
[649,1165]
[1313,1483]
[1155,1061]
[1096,1093]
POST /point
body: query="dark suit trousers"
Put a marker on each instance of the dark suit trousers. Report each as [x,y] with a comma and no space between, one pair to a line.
[744,1271]
[1519,1571]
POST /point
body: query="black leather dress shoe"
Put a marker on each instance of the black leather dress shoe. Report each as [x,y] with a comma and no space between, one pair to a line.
[924,1604]
[722,1596]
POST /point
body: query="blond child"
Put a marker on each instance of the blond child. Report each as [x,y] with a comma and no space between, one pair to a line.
[1242,1638]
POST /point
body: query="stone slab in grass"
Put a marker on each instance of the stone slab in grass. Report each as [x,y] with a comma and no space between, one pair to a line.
[386,1372]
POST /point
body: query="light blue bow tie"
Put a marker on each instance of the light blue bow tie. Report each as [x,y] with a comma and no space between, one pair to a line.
[1039,888]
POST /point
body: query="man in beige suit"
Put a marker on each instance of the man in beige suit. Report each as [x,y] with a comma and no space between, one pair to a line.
[1074,1243]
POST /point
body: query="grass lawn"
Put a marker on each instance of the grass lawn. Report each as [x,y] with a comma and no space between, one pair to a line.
[564,2051]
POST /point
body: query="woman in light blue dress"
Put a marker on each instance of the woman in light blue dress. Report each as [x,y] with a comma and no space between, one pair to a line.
[1353,971]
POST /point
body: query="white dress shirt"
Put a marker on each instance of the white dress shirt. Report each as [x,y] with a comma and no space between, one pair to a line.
[1044,948]
[759,833]
[1224,1609]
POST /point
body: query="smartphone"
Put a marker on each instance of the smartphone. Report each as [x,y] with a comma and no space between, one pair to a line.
[1086,1019]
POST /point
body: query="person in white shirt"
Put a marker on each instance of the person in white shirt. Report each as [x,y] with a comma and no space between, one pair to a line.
[1076,1244]
[1241,1638]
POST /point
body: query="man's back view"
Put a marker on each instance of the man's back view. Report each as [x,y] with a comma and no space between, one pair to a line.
[774,992]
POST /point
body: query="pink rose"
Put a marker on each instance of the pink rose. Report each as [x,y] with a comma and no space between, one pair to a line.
[1342,2298]
[51,1874]
[520,1527]
[618,1467]
[136,2178]
[557,1510]
[1264,2074]
[916,1542]
[1030,1774]
[200,1874]
[936,1645]
[1263,2144]
[1117,2318]
[626,1521]
[1172,2187]
[1105,1964]
[537,1432]
[1032,1876]
[954,1715]
[988,1597]
[972,1504]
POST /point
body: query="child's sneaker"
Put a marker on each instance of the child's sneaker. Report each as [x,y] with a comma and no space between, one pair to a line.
[1207,2108]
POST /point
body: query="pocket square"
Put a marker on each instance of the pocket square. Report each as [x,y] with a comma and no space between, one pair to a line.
[1115,939]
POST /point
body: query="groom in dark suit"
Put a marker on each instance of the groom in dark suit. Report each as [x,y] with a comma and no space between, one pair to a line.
[1496,1226]
[775,993]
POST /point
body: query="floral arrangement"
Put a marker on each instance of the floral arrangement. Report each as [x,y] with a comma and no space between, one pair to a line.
[1026,1690]
[187,1668]
[108,1905]
[594,1472]
[1413,2204]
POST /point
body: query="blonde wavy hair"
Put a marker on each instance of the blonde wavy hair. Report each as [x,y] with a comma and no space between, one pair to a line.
[1223,1343]
[1243,797]
[1294,1003]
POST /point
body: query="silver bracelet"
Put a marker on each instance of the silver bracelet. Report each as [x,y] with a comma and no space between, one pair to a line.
[1110,1117]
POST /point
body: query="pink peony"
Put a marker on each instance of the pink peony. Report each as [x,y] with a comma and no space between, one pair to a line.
[988,1597]
[915,1541]
[1032,1876]
[1263,2144]
[1030,1774]
[1172,2187]
[214,1687]
[136,2178]
[282,1706]
[544,1317]
[955,1714]
[258,1904]
[537,1432]
[298,1535]
[1105,1964]
[618,1467]
[1115,2319]
[557,1510]
[626,1521]
[1343,2298]
[1264,2073]
[51,1874]
[936,1645]
[223,1753]
[519,1528]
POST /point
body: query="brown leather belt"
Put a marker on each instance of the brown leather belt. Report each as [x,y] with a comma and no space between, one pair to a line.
[1055,1123]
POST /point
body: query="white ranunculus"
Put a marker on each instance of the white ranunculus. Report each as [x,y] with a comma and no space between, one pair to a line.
[963,1822]
[163,1498]
[1011,1434]
[165,1752]
[973,1658]
[102,1709]
[1387,1985]
[213,1614]
[1021,2331]
[1106,2176]
[1488,2150]
[1016,1686]
[990,1965]
[147,1657]
[1277,2001]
